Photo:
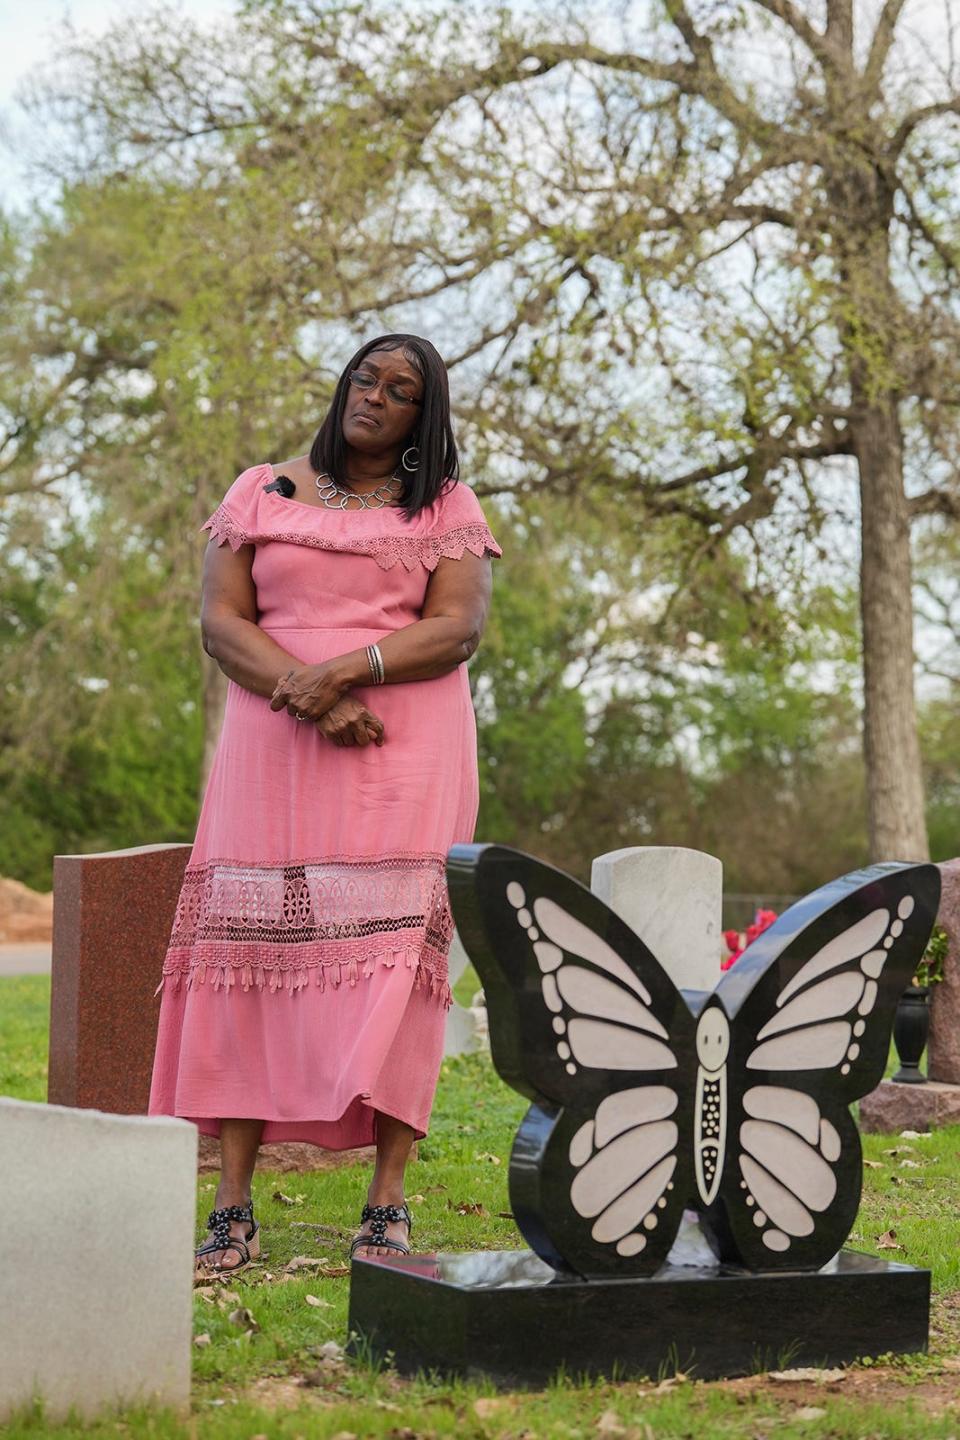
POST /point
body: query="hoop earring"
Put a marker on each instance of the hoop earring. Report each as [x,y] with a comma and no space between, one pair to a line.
[410,464]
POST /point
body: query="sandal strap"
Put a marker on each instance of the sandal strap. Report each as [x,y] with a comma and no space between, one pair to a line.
[381,1216]
[219,1221]
[360,1240]
[232,1243]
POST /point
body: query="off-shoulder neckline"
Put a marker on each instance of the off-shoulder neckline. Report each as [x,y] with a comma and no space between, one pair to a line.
[327,510]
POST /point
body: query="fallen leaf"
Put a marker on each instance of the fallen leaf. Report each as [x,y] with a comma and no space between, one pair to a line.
[288,1199]
[809,1372]
[899,1150]
[201,1340]
[485,1155]
[468,1207]
[873,1164]
[341,1435]
[329,1363]
[915,1134]
[317,1302]
[435,1189]
[304,1262]
[244,1318]
[910,1165]
[888,1241]
[610,1424]
[504,1215]
[333,1272]
[809,1412]
[415,1199]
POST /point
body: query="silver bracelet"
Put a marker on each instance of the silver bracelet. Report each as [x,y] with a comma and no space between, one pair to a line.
[375,660]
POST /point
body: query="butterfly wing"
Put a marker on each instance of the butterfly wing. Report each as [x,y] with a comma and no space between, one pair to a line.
[812,1005]
[586,1023]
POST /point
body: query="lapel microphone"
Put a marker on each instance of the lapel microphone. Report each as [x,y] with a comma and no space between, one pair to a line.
[283,485]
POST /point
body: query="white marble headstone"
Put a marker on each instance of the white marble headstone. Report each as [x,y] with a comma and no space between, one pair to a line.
[673,899]
[97,1272]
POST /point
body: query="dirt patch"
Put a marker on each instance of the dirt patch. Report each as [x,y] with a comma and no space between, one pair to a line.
[26,915]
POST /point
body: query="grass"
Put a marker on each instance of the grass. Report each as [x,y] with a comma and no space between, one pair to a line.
[24,1022]
[248,1383]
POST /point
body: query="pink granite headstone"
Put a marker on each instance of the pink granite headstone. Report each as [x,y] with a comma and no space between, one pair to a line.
[112,917]
[944,1046]
[893,1107]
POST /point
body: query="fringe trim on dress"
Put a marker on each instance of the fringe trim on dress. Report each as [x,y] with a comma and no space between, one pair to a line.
[224,967]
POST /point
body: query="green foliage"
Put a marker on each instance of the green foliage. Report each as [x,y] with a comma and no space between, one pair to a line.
[930,969]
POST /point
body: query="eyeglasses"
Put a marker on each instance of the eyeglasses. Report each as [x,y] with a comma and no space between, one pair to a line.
[363,380]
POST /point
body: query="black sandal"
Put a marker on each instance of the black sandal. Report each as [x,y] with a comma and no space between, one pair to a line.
[382,1215]
[248,1248]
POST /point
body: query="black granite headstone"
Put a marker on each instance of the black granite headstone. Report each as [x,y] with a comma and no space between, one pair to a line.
[645,1102]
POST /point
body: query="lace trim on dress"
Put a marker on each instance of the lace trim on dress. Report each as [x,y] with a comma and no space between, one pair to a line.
[388,550]
[335,920]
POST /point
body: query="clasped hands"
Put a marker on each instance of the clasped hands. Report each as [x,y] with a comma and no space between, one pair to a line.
[313,692]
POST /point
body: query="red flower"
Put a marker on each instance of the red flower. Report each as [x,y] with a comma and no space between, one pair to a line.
[762,920]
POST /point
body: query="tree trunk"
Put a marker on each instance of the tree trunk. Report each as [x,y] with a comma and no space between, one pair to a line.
[897,824]
[214,697]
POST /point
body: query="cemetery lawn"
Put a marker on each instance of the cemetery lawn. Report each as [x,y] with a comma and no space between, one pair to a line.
[268,1360]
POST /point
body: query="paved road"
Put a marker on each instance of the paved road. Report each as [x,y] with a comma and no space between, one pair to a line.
[25,959]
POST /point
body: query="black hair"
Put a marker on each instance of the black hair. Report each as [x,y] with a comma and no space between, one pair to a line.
[438,462]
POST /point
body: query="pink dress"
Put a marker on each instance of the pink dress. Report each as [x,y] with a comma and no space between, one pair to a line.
[306,978]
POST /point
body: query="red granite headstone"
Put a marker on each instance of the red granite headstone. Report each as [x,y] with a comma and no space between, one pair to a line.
[893,1107]
[944,1050]
[112,916]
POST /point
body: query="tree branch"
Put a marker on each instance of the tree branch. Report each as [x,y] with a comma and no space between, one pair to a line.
[880,44]
[934,502]
[917,117]
[786,11]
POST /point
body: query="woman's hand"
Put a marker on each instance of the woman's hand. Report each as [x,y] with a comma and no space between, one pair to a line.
[310,691]
[350,723]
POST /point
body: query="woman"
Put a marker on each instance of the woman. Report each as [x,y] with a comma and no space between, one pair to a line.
[305,987]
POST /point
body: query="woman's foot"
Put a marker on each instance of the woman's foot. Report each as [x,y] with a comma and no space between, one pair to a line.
[385,1224]
[228,1222]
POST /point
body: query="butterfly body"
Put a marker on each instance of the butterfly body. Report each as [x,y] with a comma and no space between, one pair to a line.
[735,1104]
[710,1103]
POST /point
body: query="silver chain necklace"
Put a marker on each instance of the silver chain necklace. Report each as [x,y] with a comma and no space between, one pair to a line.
[335,497]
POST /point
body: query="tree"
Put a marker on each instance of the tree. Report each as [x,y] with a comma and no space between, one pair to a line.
[660,275]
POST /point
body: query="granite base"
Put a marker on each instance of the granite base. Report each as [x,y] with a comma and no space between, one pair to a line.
[893,1107]
[508,1317]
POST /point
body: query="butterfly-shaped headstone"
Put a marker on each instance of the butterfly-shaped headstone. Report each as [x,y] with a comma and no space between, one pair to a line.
[647,1101]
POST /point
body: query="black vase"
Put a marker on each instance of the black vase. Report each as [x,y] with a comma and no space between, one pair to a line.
[911,1026]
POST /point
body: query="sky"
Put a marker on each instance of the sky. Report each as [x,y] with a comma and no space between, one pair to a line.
[27,33]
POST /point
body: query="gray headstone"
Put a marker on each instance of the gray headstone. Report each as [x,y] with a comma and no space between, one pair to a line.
[97,1273]
[672,898]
